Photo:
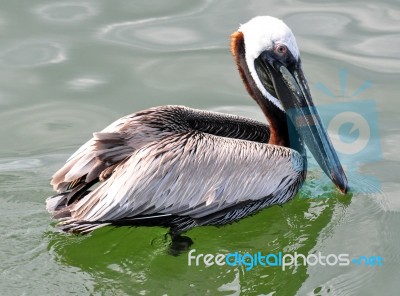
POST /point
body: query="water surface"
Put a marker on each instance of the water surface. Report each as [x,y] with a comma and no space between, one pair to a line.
[69,68]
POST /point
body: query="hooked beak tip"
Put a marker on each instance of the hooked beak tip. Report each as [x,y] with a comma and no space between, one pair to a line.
[344,189]
[341,184]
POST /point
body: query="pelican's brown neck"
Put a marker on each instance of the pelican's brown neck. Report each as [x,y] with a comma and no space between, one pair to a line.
[275,116]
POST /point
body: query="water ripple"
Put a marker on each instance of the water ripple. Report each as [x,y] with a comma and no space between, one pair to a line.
[84,83]
[177,74]
[168,33]
[160,36]
[151,37]
[346,284]
[19,164]
[40,132]
[33,53]
[329,24]
[50,126]
[386,46]
[66,12]
[349,33]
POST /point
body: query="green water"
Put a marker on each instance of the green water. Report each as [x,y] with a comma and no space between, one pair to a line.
[69,68]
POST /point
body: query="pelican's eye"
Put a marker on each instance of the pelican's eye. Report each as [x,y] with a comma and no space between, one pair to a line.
[281,50]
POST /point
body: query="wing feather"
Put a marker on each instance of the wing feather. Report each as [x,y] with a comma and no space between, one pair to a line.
[109,147]
[168,160]
[192,174]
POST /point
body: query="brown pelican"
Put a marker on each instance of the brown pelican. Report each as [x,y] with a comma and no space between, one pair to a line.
[179,167]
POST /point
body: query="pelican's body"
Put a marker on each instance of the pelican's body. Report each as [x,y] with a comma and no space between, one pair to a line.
[180,167]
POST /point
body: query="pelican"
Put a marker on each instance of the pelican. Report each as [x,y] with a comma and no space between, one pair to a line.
[178,167]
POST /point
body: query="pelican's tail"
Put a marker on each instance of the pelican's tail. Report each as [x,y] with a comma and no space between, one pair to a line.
[82,227]
[58,206]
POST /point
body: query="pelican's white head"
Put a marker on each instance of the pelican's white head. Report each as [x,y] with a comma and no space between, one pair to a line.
[269,63]
[267,33]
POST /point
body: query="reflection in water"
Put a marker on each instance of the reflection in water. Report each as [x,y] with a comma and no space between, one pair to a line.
[117,256]
[357,233]
[34,53]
